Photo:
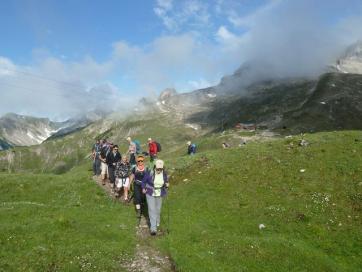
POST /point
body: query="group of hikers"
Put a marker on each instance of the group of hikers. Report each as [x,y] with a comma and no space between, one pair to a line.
[123,172]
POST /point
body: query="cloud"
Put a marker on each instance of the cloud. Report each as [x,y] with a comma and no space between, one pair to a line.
[252,18]
[202,42]
[57,89]
[291,38]
[200,84]
[190,13]
[6,67]
[171,61]
[165,4]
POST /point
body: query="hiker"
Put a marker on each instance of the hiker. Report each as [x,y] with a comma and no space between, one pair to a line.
[132,148]
[225,145]
[122,173]
[152,149]
[96,150]
[136,177]
[112,158]
[191,148]
[103,158]
[154,185]
[138,147]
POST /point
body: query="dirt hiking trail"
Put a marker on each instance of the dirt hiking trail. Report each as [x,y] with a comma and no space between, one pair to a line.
[146,258]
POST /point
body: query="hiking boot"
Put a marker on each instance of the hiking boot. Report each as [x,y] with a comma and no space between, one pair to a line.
[153,233]
[138,213]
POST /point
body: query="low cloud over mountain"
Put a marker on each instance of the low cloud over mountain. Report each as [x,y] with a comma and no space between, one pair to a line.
[198,45]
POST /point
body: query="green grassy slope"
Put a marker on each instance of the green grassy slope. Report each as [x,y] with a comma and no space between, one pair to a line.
[335,104]
[312,219]
[61,223]
[217,201]
[60,155]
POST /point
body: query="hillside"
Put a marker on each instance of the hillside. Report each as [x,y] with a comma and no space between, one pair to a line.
[26,130]
[308,200]
[218,200]
[21,130]
[331,102]
[336,103]
[61,223]
[4,145]
[59,154]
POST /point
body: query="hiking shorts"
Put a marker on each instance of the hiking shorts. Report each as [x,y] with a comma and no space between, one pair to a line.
[122,182]
[104,168]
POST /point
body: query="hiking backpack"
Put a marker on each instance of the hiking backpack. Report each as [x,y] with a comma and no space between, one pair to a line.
[138,146]
[159,148]
[193,148]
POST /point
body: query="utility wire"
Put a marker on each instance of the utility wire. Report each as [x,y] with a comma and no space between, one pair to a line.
[42,77]
[30,90]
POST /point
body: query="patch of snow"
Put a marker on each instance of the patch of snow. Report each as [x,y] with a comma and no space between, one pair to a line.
[211,95]
[195,127]
[323,103]
[160,107]
[163,102]
[49,133]
[36,138]
[30,135]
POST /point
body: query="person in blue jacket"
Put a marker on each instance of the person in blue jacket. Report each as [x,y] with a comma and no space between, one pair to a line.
[154,185]
[191,148]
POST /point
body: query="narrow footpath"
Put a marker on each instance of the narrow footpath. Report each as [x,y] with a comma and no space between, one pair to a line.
[147,258]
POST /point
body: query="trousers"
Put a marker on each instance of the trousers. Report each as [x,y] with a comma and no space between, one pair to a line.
[154,204]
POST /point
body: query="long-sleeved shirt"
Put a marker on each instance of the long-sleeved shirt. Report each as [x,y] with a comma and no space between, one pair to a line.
[122,170]
[132,148]
[152,148]
[148,183]
[113,158]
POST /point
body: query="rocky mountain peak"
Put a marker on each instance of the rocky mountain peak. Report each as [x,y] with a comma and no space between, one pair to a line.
[351,59]
[167,93]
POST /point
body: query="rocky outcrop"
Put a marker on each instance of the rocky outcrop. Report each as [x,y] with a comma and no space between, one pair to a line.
[351,60]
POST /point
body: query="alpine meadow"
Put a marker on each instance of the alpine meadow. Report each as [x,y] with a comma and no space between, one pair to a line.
[181,136]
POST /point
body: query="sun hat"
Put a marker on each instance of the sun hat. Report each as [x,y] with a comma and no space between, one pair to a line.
[159,164]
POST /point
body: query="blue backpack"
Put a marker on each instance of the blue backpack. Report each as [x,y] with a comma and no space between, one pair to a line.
[193,148]
[138,146]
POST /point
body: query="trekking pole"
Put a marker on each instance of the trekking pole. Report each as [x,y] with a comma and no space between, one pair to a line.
[168,212]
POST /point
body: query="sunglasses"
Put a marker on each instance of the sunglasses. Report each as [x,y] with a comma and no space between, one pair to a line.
[159,169]
[140,161]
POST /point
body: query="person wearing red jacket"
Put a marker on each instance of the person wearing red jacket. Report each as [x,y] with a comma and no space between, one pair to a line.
[152,149]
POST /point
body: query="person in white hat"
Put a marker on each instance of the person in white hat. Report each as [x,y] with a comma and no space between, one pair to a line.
[154,185]
[131,151]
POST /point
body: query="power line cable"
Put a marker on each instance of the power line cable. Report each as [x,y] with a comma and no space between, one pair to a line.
[28,89]
[42,77]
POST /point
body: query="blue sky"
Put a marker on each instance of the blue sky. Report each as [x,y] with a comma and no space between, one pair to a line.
[65,50]
[77,28]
